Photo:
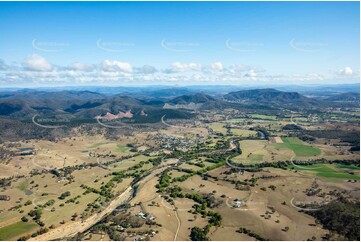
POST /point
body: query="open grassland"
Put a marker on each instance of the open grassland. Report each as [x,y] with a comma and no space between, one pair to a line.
[291,140]
[258,151]
[122,148]
[125,164]
[352,167]
[28,193]
[68,152]
[14,231]
[244,133]
[218,127]
[268,211]
[265,117]
[298,147]
[327,171]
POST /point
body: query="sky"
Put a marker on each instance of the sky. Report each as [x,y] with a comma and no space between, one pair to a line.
[178,43]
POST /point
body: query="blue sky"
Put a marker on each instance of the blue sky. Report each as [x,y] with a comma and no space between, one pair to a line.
[178,43]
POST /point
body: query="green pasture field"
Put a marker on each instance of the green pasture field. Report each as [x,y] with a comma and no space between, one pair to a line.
[326,170]
[14,231]
[298,147]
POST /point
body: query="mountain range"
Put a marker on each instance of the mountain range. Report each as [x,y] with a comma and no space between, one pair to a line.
[88,104]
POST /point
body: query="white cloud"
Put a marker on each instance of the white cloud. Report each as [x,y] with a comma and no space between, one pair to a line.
[216,66]
[347,71]
[37,63]
[237,69]
[37,70]
[108,65]
[183,67]
[251,74]
[81,67]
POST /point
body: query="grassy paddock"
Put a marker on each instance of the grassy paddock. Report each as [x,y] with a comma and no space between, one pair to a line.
[265,117]
[326,170]
[298,147]
[14,231]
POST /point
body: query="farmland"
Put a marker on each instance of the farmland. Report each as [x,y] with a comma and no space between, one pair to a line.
[223,175]
[298,147]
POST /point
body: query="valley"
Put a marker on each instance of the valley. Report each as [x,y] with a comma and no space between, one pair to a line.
[205,169]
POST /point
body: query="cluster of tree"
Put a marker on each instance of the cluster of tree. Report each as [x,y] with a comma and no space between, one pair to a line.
[105,190]
[39,232]
[110,230]
[251,234]
[164,181]
[199,164]
[73,200]
[198,234]
[306,138]
[36,215]
[355,148]
[49,203]
[64,195]
[156,161]
[28,202]
[128,221]
[341,216]
[292,127]
[14,130]
[175,191]
[325,161]
[183,177]
[215,218]
[352,137]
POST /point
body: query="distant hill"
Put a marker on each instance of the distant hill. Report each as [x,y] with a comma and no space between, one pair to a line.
[24,104]
[192,98]
[82,105]
[272,97]
[345,97]
[27,94]
[168,92]
[9,108]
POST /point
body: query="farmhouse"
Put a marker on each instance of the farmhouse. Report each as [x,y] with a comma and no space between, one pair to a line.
[238,203]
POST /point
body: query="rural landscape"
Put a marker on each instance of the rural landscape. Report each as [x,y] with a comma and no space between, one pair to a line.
[258,164]
[180,121]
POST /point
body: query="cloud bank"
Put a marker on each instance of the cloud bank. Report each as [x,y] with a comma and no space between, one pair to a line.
[37,71]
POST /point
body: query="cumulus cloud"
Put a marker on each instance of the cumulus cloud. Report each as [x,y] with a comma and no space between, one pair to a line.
[183,67]
[37,70]
[37,63]
[347,71]
[216,66]
[238,69]
[251,74]
[114,66]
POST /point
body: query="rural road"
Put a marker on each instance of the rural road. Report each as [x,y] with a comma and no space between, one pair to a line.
[72,228]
